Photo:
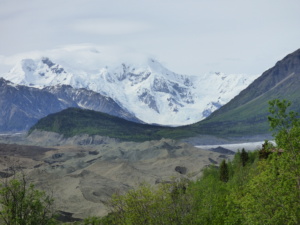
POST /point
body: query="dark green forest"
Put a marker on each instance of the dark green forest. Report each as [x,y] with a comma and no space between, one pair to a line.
[75,121]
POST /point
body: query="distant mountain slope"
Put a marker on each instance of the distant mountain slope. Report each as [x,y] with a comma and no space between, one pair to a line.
[87,99]
[22,106]
[247,112]
[141,86]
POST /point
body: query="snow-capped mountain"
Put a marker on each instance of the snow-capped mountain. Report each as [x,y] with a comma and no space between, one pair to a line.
[142,86]
[22,106]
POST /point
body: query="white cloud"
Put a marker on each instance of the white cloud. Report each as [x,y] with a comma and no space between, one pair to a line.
[77,57]
[109,26]
[191,36]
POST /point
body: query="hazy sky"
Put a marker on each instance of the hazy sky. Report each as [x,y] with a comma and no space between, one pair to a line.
[187,36]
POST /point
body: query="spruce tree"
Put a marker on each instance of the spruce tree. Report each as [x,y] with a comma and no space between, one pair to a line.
[224,173]
[244,157]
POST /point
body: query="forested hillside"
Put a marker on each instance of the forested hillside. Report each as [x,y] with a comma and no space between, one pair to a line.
[75,121]
[260,187]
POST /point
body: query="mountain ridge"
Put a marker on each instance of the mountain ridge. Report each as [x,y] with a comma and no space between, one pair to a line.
[277,71]
[250,107]
[146,89]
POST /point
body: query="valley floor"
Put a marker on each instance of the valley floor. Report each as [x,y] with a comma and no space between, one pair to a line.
[83,176]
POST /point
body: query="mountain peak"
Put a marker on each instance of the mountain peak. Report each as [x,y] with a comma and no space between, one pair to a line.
[40,72]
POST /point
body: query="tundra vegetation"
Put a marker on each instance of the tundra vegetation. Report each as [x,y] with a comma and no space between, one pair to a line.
[258,187]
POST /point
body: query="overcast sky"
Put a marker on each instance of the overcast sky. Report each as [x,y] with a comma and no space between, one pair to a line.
[187,36]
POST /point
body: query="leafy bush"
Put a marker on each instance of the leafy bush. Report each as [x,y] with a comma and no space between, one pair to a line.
[22,204]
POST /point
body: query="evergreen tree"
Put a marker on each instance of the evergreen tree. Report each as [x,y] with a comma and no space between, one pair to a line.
[244,157]
[224,173]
